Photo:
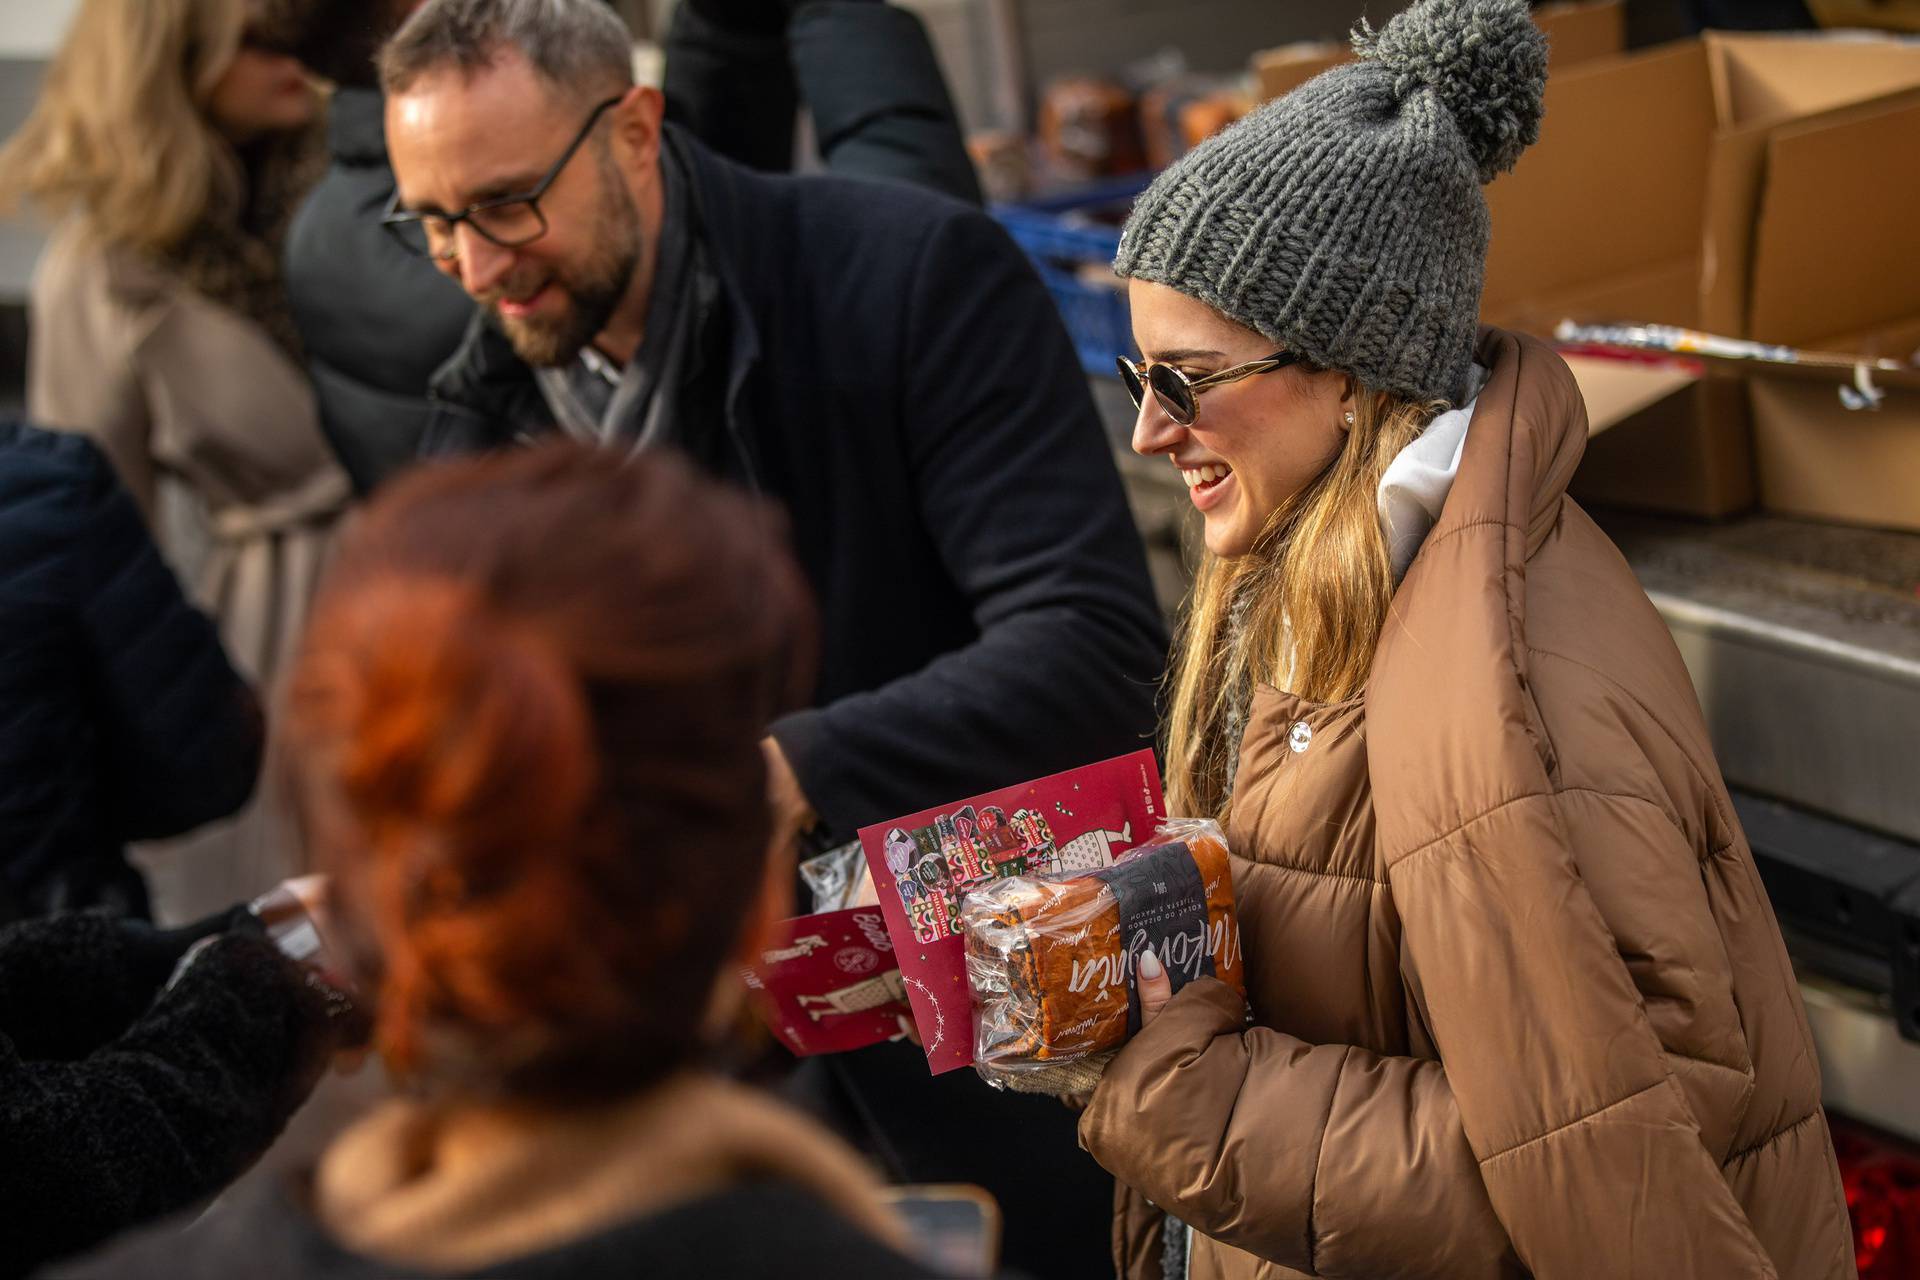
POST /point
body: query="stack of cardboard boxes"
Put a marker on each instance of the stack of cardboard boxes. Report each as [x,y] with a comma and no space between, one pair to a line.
[1763,187]
[1751,186]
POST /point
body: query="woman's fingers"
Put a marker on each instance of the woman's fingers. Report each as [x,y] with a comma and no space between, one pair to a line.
[1155,987]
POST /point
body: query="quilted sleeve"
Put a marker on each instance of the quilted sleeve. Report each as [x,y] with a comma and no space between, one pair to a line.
[1584,1138]
[1324,1158]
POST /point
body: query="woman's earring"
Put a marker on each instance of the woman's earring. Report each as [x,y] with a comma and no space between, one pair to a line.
[1349,417]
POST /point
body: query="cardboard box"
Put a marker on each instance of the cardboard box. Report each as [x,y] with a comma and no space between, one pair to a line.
[1836,436]
[1282,70]
[1582,30]
[1851,187]
[1679,443]
[1889,15]
[1743,185]
[1821,457]
[1603,220]
[1820,460]
[1577,31]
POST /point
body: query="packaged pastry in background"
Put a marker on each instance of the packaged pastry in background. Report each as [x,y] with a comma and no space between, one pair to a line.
[1051,958]
[1089,129]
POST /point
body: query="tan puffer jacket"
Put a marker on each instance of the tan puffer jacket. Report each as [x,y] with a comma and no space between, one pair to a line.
[1518,999]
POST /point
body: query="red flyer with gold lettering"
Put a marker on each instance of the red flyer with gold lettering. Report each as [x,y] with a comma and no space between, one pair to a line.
[1080,820]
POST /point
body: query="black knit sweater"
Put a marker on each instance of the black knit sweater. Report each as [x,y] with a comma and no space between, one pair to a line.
[120,1102]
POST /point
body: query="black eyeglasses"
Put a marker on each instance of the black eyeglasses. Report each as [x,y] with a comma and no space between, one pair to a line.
[1178,394]
[510,221]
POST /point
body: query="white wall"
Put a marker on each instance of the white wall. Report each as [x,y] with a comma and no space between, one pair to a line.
[32,28]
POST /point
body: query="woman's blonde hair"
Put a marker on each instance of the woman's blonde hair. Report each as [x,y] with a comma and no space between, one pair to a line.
[119,136]
[1303,610]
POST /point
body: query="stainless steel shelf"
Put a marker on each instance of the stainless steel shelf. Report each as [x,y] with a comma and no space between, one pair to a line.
[1804,645]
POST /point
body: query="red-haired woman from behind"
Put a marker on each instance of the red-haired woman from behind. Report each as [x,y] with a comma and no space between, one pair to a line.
[524,738]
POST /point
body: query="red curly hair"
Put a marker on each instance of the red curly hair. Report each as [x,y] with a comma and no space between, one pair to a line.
[523,736]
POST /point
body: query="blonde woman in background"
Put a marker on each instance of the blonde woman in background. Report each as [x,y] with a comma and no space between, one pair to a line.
[171,143]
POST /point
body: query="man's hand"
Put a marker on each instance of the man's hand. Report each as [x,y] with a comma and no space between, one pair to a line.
[792,814]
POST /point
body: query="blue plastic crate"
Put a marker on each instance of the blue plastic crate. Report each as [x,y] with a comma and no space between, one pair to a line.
[1062,236]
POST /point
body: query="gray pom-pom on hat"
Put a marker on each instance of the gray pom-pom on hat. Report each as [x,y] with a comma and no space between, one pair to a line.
[1345,220]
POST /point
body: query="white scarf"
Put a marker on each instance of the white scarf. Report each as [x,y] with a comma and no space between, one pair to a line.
[1415,485]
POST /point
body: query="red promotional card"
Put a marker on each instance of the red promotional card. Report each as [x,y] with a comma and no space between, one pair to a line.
[1079,820]
[830,983]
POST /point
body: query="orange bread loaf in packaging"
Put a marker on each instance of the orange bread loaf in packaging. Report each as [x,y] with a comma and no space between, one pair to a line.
[1051,959]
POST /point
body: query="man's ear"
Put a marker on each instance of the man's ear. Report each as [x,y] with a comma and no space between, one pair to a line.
[636,126]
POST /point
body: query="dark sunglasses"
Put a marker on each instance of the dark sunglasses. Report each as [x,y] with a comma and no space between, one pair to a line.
[1178,394]
[510,221]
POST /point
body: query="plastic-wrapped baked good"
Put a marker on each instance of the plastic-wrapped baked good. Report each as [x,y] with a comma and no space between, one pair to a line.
[1050,959]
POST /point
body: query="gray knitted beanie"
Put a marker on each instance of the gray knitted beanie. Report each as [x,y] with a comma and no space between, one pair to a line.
[1345,220]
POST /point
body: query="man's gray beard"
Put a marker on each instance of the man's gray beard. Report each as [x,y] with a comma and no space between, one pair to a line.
[591,301]
[589,307]
[544,345]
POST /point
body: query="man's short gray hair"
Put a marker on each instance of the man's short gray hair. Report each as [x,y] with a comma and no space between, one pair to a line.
[580,47]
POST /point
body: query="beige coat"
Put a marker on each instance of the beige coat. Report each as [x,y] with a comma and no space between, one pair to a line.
[214,429]
[455,1189]
[1519,1002]
[175,386]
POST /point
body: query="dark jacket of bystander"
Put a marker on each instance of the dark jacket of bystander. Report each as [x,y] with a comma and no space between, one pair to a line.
[120,716]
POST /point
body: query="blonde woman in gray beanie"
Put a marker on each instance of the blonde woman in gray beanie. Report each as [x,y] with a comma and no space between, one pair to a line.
[1516,999]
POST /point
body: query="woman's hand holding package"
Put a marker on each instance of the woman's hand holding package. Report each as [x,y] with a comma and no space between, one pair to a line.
[1074,1081]
[1064,968]
[1154,987]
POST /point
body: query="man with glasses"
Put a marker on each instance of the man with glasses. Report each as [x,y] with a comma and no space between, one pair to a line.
[883,362]
[376,324]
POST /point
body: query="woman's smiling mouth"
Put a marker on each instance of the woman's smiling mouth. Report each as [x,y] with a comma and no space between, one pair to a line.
[1212,473]
[1207,483]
